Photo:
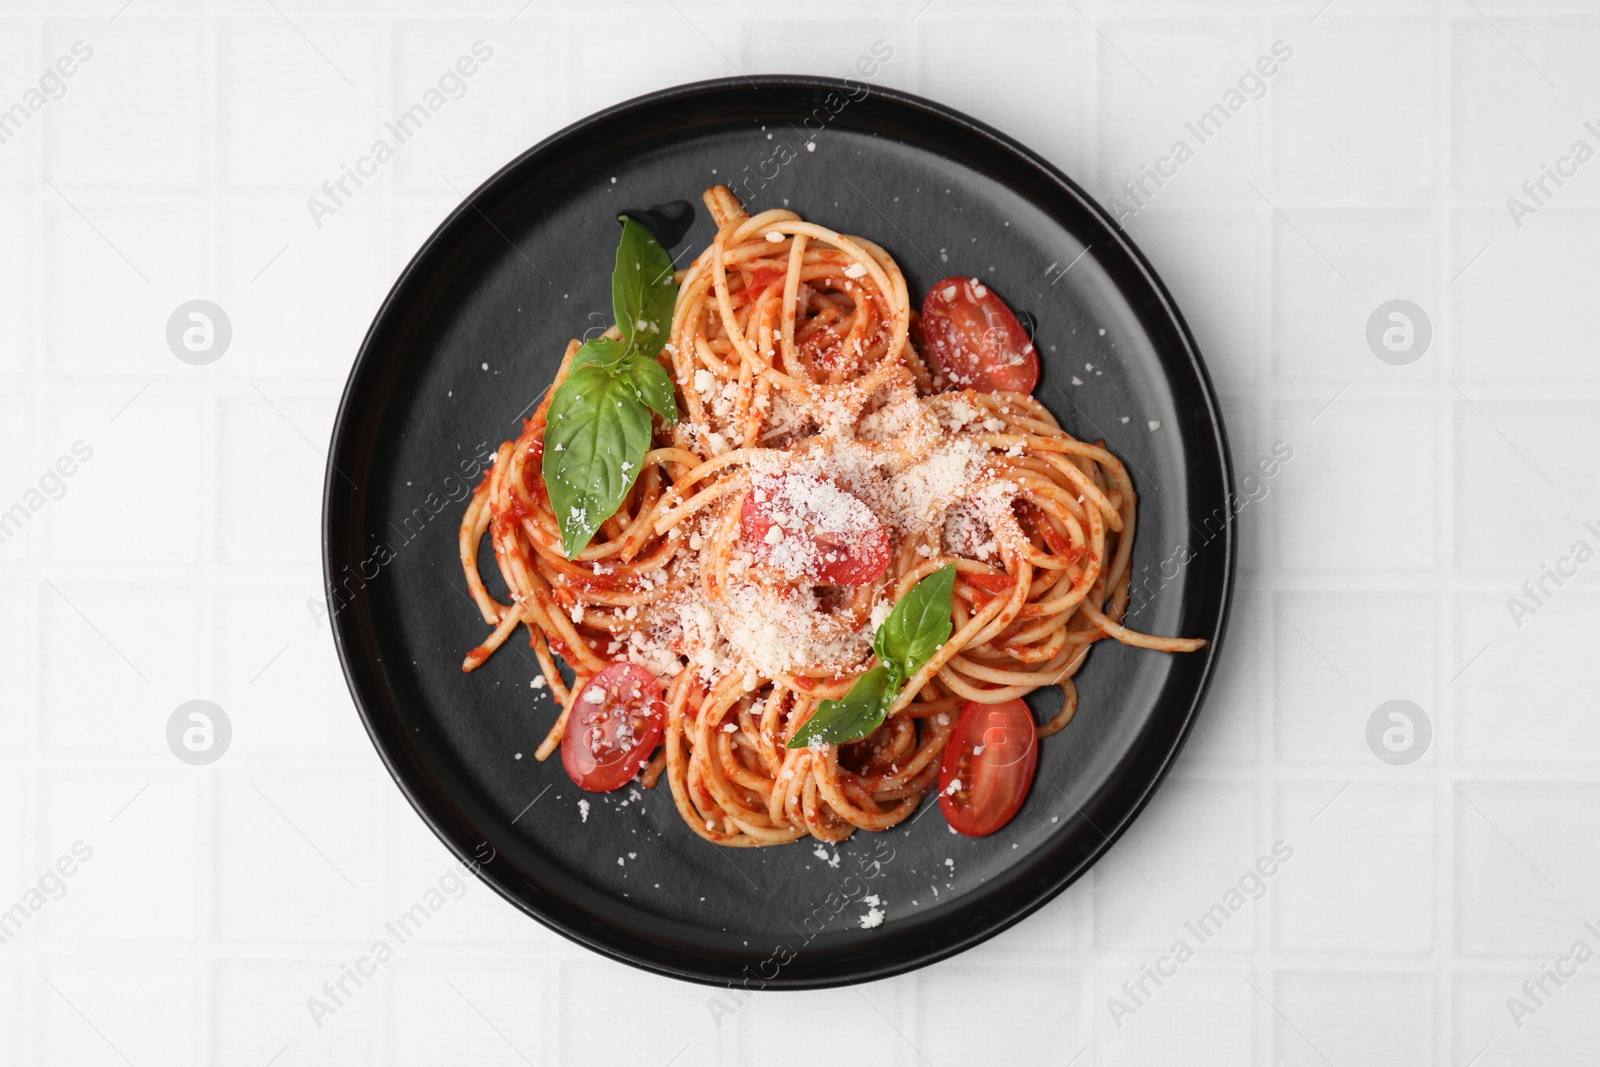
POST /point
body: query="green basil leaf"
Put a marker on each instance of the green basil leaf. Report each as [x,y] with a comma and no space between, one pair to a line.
[860,712]
[597,433]
[919,624]
[643,289]
[916,628]
[654,385]
[600,352]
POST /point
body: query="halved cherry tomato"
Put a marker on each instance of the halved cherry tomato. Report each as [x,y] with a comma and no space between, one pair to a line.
[615,723]
[823,532]
[975,340]
[988,766]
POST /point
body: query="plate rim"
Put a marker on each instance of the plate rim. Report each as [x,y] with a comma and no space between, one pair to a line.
[335,527]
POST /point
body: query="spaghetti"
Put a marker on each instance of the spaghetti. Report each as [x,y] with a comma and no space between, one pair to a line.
[812,423]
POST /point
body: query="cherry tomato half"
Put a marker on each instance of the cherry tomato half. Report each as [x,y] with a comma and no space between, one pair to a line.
[615,723]
[988,766]
[975,340]
[822,532]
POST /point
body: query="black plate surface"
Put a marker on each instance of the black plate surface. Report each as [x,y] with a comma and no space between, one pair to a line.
[525,264]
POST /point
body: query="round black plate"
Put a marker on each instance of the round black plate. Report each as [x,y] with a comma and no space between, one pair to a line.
[524,265]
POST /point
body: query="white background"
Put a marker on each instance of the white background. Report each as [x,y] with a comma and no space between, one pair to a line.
[181,559]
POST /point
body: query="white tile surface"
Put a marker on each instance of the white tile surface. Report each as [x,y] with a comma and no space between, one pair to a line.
[968,1014]
[1530,669]
[139,99]
[1318,320]
[444,1010]
[1352,1017]
[1483,1019]
[1363,874]
[587,981]
[259,1002]
[1379,564]
[1366,145]
[1517,844]
[1147,876]
[1224,307]
[146,1008]
[1208,1012]
[18,287]
[115,896]
[289,849]
[299,134]
[861,1028]
[107,685]
[1315,518]
[145,258]
[1373,640]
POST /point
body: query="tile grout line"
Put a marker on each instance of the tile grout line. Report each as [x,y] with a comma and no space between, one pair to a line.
[1445,734]
[206,788]
[1268,787]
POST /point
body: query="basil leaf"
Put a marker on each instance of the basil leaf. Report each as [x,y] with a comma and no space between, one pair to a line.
[643,289]
[919,624]
[860,712]
[597,433]
[654,385]
[600,352]
[916,628]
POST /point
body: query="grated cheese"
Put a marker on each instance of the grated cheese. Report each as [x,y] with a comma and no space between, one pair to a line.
[888,461]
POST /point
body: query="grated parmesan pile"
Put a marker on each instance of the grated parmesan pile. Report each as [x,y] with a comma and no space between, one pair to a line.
[910,464]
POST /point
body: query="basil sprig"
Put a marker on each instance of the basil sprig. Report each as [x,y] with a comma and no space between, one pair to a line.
[597,429]
[916,628]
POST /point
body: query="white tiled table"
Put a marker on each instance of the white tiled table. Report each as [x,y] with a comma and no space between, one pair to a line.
[180,563]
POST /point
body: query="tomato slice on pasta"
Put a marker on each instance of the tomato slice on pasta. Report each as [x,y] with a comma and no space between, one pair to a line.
[988,766]
[615,723]
[808,527]
[975,340]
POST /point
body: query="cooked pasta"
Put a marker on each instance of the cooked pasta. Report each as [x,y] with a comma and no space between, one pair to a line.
[817,443]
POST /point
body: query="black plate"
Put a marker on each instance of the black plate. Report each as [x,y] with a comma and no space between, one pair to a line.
[525,264]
